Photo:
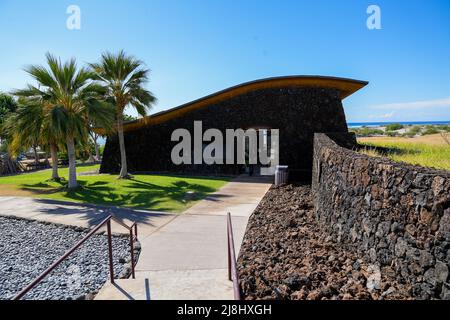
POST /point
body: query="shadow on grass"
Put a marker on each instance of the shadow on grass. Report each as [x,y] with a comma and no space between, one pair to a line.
[135,194]
[190,176]
[241,178]
[176,191]
[44,188]
[98,200]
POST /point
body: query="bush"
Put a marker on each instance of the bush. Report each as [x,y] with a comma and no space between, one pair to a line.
[81,152]
[394,126]
[409,134]
[414,130]
[444,127]
[366,132]
[391,133]
[430,130]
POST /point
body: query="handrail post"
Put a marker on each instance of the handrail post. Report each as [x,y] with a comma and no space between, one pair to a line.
[135,231]
[110,253]
[132,253]
[232,260]
[229,251]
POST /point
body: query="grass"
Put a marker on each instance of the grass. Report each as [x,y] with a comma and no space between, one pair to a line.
[428,151]
[152,192]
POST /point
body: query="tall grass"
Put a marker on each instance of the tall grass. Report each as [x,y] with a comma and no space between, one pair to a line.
[427,155]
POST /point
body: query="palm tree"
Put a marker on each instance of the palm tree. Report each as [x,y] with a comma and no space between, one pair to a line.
[124,78]
[30,126]
[7,107]
[69,97]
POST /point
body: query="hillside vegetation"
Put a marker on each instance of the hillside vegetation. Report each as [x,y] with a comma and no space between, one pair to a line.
[428,150]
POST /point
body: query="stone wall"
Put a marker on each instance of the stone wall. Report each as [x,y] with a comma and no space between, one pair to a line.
[297,112]
[395,216]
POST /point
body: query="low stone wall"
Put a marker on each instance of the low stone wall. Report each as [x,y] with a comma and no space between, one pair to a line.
[393,215]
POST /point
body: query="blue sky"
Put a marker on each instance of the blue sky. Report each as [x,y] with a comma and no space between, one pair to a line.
[197,47]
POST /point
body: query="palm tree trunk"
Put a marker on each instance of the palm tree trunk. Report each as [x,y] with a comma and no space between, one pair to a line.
[123,155]
[36,156]
[72,163]
[94,138]
[90,158]
[97,149]
[10,163]
[54,155]
[97,152]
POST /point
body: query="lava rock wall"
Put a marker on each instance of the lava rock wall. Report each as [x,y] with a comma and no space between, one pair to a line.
[298,113]
[394,215]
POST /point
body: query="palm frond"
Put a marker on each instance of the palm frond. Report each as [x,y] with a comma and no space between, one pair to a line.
[62,108]
[125,78]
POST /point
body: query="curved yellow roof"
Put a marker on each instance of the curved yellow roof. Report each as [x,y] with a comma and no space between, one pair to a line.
[345,86]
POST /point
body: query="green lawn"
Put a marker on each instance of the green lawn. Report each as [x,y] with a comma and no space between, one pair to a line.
[428,151]
[154,192]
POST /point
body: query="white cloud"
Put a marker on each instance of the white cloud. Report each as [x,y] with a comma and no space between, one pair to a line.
[426,104]
[383,116]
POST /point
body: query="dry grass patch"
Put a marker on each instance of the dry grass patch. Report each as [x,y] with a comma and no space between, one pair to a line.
[428,151]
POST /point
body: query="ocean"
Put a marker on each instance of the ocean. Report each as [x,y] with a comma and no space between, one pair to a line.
[378,124]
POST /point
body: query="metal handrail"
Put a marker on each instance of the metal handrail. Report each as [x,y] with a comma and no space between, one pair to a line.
[130,229]
[106,221]
[232,268]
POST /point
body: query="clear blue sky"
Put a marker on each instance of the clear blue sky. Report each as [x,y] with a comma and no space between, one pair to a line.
[197,47]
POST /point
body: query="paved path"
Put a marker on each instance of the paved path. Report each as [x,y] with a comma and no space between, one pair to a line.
[82,215]
[187,258]
[184,256]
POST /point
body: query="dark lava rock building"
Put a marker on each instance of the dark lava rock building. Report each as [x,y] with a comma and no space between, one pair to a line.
[298,106]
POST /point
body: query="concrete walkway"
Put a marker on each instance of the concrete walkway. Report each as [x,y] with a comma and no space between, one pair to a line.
[187,257]
[183,256]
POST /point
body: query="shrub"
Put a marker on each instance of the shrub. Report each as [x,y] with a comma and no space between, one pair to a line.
[409,134]
[366,132]
[414,130]
[430,130]
[391,133]
[394,126]
[443,127]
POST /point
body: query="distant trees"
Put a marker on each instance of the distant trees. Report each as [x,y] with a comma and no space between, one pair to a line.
[366,131]
[444,127]
[7,107]
[430,130]
[391,133]
[414,130]
[394,127]
[127,117]
[409,131]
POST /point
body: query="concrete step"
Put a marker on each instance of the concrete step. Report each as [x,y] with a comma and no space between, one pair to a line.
[171,285]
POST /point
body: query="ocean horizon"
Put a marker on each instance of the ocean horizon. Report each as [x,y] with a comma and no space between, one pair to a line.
[378,124]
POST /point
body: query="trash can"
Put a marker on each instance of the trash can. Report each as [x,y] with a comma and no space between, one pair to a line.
[281,175]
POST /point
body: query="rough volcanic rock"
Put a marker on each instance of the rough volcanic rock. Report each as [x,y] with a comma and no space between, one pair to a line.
[391,214]
[286,255]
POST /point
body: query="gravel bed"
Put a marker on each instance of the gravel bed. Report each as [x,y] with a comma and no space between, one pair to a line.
[286,255]
[29,247]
